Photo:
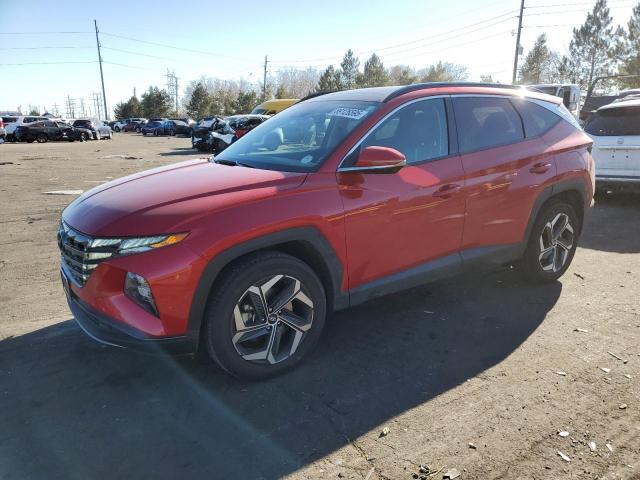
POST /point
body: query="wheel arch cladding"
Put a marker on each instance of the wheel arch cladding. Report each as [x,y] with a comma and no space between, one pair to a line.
[572,191]
[305,243]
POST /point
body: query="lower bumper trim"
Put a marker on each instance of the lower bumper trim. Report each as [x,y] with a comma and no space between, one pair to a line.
[110,332]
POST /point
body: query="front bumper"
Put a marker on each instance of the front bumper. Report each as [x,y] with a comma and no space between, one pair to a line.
[111,332]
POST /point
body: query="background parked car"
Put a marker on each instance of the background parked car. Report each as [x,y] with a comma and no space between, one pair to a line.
[271,107]
[135,125]
[150,127]
[3,132]
[229,129]
[98,128]
[615,130]
[13,122]
[200,131]
[175,127]
[47,130]
[129,124]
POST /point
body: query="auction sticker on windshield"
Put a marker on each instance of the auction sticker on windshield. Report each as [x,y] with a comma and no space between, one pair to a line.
[353,113]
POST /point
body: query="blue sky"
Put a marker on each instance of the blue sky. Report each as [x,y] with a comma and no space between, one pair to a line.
[235,36]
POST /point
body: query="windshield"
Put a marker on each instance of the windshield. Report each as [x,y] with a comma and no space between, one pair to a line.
[300,138]
[81,123]
[154,124]
[614,122]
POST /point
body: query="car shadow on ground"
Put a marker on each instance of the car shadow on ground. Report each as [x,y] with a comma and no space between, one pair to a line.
[70,408]
[182,151]
[621,213]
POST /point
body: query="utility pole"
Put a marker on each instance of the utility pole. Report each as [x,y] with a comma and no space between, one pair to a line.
[104,95]
[172,87]
[264,78]
[71,107]
[518,47]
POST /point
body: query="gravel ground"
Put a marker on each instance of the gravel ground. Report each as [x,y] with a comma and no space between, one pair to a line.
[477,373]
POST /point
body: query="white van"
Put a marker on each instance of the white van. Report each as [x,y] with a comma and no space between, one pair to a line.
[615,130]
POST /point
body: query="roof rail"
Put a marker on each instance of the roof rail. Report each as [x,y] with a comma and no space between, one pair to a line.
[317,94]
[421,86]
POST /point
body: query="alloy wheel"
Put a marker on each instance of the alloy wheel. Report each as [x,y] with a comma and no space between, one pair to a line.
[271,319]
[556,242]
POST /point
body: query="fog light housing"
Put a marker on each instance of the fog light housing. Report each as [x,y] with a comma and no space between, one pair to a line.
[138,290]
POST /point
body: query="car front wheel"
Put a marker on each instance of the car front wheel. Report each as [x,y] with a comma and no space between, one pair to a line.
[552,244]
[266,315]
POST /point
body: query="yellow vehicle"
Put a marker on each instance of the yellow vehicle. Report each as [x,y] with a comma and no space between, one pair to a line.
[271,107]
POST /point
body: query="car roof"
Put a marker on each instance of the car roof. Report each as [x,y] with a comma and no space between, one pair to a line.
[634,102]
[385,94]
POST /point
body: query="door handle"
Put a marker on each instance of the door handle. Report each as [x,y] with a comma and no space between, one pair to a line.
[540,167]
[447,190]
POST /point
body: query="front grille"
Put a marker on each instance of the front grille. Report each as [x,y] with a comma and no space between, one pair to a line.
[81,254]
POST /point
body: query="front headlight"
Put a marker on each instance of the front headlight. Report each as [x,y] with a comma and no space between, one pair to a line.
[126,246]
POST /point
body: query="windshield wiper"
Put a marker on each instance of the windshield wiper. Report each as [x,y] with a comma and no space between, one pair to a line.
[225,162]
[232,163]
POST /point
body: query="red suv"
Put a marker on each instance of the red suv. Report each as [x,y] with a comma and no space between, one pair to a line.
[340,198]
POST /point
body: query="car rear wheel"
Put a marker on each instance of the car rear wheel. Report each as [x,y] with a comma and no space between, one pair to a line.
[138,129]
[42,138]
[552,244]
[84,136]
[266,314]
[117,129]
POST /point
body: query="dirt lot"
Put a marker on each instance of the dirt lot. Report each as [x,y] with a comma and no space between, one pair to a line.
[464,373]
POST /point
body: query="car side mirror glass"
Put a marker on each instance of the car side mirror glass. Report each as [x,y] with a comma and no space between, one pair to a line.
[376,159]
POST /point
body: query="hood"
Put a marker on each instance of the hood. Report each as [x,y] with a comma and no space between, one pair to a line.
[168,199]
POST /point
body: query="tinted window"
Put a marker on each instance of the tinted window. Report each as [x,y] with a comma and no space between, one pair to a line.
[614,122]
[9,119]
[418,130]
[537,119]
[485,122]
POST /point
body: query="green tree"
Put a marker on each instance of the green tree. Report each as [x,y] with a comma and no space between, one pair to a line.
[330,80]
[246,101]
[281,91]
[128,109]
[374,74]
[540,63]
[156,103]
[33,110]
[349,70]
[593,46]
[200,102]
[630,64]
[444,72]
[401,75]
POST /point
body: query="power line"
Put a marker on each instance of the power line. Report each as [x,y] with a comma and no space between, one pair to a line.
[175,48]
[40,48]
[430,37]
[43,63]
[42,33]
[141,54]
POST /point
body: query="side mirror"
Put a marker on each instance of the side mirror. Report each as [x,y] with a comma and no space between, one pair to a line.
[379,160]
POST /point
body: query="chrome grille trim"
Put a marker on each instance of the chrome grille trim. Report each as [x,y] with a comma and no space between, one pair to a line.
[76,253]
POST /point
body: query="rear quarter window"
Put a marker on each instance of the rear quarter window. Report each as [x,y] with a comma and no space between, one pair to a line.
[9,119]
[537,120]
[614,122]
[485,122]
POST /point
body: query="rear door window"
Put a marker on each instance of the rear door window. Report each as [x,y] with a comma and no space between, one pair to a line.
[614,122]
[537,119]
[418,130]
[485,122]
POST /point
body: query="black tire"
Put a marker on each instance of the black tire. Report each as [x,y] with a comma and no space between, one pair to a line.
[117,129]
[84,136]
[219,329]
[531,262]
[138,129]
[42,138]
[30,140]
[155,133]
